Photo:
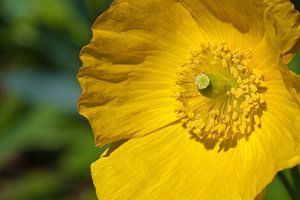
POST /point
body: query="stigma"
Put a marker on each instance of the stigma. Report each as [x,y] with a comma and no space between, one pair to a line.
[202,81]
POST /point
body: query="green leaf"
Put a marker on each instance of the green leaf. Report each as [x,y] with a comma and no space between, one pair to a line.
[277,191]
[294,65]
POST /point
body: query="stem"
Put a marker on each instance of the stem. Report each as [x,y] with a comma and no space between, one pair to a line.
[287,185]
[296,180]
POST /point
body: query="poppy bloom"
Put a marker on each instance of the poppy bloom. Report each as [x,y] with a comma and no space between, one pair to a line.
[194,97]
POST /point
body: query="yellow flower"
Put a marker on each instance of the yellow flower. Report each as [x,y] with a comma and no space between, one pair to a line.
[194,96]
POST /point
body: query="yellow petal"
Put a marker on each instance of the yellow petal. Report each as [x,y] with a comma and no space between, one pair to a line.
[282,23]
[225,21]
[129,67]
[170,164]
[261,195]
[275,21]
[292,82]
[280,123]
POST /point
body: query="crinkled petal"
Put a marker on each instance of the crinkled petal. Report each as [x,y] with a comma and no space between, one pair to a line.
[282,23]
[129,67]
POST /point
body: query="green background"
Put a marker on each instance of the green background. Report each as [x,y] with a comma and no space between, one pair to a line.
[46,148]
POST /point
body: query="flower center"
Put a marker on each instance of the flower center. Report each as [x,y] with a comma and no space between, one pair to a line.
[220,95]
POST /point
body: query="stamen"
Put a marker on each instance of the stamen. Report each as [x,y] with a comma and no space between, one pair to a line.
[230,102]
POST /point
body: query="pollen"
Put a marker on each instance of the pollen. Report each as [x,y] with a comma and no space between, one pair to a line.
[228,101]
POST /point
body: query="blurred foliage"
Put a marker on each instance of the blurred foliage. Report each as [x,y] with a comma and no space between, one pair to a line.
[296,3]
[46,148]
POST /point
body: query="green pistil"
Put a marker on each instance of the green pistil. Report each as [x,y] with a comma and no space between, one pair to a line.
[212,84]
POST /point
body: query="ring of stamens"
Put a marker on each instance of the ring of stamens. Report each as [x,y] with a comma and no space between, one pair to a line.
[232,106]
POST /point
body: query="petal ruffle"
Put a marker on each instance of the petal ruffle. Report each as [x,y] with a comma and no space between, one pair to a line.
[129,67]
[282,23]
